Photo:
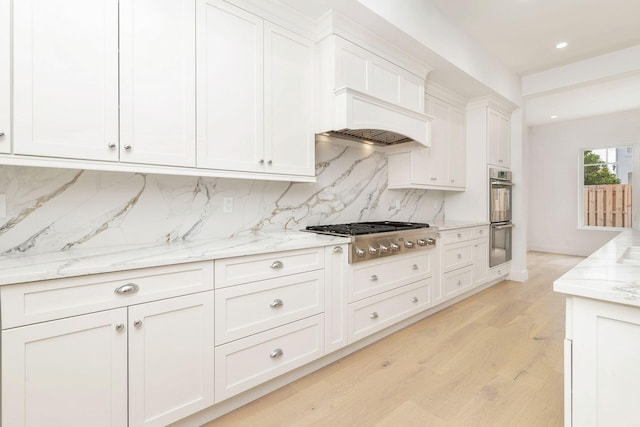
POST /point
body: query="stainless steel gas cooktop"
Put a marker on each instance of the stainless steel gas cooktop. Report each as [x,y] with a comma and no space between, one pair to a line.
[372,240]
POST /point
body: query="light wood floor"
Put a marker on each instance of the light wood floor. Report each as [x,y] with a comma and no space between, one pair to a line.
[492,360]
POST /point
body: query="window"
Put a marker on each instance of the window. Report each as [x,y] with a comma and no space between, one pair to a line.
[606,187]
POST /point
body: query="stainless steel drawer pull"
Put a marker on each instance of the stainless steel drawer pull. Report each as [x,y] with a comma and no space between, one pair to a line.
[414,299]
[373,278]
[129,288]
[119,327]
[276,303]
[137,323]
[276,353]
[374,315]
[415,267]
[277,264]
[337,250]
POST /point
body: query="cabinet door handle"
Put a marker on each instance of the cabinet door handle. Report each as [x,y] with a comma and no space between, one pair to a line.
[276,303]
[277,264]
[112,145]
[128,147]
[129,288]
[459,282]
[337,250]
[459,256]
[276,353]
[270,162]
[414,299]
[415,267]
[261,161]
[433,178]
[459,236]
[374,315]
[137,323]
[373,278]
[1,133]
[119,327]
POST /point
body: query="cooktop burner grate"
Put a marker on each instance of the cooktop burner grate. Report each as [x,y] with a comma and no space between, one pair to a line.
[361,228]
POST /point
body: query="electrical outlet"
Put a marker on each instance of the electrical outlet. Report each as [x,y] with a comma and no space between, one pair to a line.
[3,206]
[397,204]
[227,205]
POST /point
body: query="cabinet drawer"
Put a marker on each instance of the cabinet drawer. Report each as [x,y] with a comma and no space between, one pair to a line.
[499,271]
[381,276]
[247,309]
[245,363]
[27,303]
[234,271]
[457,281]
[463,234]
[456,256]
[380,311]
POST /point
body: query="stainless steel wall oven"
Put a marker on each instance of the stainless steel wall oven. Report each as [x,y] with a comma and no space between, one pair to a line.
[500,189]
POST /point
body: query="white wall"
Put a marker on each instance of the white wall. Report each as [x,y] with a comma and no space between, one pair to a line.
[553,164]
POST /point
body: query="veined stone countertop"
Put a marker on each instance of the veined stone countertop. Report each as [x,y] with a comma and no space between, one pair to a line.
[78,262]
[610,274]
[452,225]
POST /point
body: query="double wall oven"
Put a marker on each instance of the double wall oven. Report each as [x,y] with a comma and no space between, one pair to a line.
[500,189]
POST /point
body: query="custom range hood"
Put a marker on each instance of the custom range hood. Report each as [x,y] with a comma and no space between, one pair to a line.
[365,98]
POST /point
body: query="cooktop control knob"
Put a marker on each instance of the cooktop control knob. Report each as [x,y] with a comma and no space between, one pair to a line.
[409,244]
[359,252]
[384,249]
[373,250]
[421,242]
[394,247]
[431,241]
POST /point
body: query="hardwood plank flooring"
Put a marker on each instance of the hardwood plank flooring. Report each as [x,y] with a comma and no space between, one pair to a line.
[493,360]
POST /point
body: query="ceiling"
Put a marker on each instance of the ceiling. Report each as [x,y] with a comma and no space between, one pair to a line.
[522,35]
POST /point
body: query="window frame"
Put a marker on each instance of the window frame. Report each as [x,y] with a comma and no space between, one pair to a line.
[635,162]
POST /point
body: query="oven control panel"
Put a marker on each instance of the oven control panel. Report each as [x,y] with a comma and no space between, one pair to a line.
[379,245]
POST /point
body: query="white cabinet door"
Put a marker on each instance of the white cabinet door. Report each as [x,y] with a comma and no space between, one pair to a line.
[480,261]
[69,372]
[457,148]
[336,270]
[157,82]
[5,76]
[289,103]
[230,88]
[438,166]
[170,359]
[498,139]
[65,78]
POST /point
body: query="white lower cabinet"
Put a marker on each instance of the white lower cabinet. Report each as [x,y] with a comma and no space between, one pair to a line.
[248,362]
[464,261]
[605,373]
[144,364]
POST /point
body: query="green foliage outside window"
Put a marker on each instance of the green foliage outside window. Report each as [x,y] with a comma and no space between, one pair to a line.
[596,171]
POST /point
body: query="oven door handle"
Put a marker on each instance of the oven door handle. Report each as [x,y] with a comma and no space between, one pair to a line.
[505,183]
[501,227]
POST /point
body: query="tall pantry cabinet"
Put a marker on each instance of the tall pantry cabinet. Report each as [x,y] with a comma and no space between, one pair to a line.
[255,103]
[5,77]
[105,80]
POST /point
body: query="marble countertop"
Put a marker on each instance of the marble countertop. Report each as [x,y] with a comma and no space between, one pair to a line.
[451,225]
[609,274]
[77,262]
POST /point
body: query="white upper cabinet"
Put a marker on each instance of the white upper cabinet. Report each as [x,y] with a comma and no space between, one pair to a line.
[443,165]
[255,97]
[76,97]
[498,139]
[157,82]
[65,78]
[5,76]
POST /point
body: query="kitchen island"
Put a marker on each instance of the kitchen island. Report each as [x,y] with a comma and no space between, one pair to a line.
[602,341]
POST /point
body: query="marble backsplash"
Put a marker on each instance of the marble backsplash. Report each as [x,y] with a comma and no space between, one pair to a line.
[52,209]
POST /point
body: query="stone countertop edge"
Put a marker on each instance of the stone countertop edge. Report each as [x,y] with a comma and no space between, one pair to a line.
[602,276]
[22,268]
[453,225]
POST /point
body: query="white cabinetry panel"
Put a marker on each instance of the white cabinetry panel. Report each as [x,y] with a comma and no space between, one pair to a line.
[498,138]
[170,359]
[65,78]
[70,372]
[157,82]
[5,76]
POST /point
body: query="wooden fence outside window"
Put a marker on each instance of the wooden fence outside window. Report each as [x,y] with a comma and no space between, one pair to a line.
[607,205]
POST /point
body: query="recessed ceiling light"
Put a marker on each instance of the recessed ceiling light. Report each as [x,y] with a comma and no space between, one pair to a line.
[554,116]
[562,45]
